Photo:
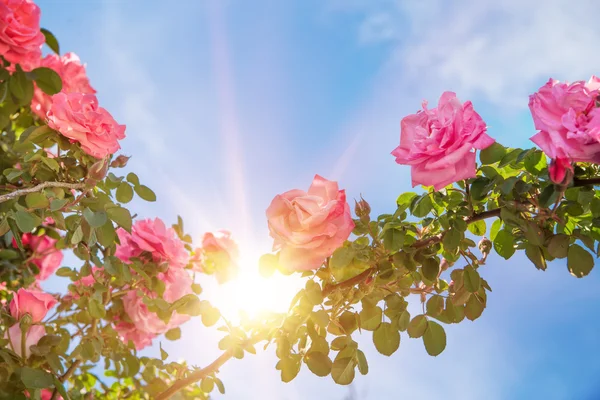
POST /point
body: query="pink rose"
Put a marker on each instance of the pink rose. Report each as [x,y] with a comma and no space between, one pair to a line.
[177,284]
[154,237]
[558,169]
[78,117]
[127,331]
[219,255]
[88,281]
[32,302]
[45,255]
[438,143]
[74,80]
[20,36]
[309,226]
[46,394]
[32,337]
[568,122]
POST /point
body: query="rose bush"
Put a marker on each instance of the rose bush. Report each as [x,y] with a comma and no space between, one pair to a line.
[134,282]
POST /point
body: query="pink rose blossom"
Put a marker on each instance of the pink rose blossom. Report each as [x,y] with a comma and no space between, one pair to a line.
[45,255]
[78,117]
[20,36]
[32,337]
[177,284]
[46,394]
[74,80]
[437,143]
[127,331]
[219,255]
[154,237]
[568,122]
[32,302]
[309,226]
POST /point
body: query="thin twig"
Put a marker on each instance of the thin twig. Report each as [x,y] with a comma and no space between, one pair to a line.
[40,187]
[195,376]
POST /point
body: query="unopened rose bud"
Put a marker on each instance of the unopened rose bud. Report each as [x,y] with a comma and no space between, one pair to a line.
[98,170]
[444,264]
[362,209]
[120,161]
[485,245]
[25,322]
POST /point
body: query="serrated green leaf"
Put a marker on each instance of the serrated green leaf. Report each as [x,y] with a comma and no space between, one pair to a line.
[579,261]
[124,192]
[342,371]
[145,192]
[36,200]
[51,42]
[504,244]
[558,247]
[318,363]
[492,154]
[434,339]
[417,326]
[370,318]
[471,279]
[47,80]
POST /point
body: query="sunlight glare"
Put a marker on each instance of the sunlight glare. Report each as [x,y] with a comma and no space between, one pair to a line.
[252,293]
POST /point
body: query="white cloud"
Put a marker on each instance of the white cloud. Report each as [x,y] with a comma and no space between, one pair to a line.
[499,51]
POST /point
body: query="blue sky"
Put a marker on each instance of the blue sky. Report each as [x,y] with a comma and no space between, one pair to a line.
[228,103]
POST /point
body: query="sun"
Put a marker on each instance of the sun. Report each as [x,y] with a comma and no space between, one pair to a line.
[252,293]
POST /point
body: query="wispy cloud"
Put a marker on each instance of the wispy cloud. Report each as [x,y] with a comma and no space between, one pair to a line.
[498,51]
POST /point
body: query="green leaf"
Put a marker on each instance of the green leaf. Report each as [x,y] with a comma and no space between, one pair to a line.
[558,247]
[417,326]
[145,192]
[267,264]
[342,371]
[393,239]
[370,318]
[435,306]
[173,334]
[21,87]
[36,200]
[430,269]
[52,43]
[163,354]
[434,339]
[496,226]
[57,204]
[48,80]
[508,185]
[480,188]
[26,221]
[471,279]
[8,254]
[492,154]
[535,255]
[509,157]
[595,207]
[121,216]
[124,192]
[421,205]
[363,366]
[452,239]
[35,134]
[36,378]
[477,228]
[133,179]
[548,196]
[579,261]
[534,234]
[473,309]
[95,219]
[318,363]
[96,309]
[207,385]
[77,235]
[504,244]
[289,369]
[405,199]
[386,339]
[313,292]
